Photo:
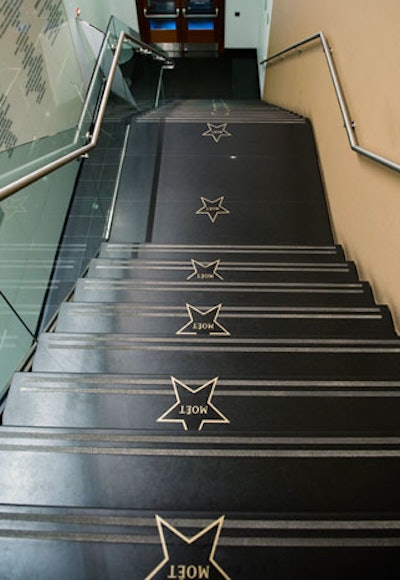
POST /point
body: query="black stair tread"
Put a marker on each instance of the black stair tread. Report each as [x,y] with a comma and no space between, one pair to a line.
[238,321]
[288,526]
[236,293]
[69,543]
[254,524]
[253,358]
[279,407]
[216,270]
[244,223]
[227,252]
[222,340]
[247,266]
[125,470]
[220,111]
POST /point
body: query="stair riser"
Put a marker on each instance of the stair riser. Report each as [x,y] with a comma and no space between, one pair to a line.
[201,479]
[230,360]
[183,273]
[210,254]
[135,559]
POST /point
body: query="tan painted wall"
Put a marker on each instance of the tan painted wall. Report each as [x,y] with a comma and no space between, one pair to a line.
[364,198]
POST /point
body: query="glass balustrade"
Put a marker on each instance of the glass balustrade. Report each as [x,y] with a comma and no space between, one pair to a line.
[15,343]
[35,221]
[141,68]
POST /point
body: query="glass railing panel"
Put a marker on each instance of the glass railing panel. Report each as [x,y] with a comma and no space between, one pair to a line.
[142,74]
[142,68]
[31,226]
[36,238]
[42,88]
[90,208]
[33,131]
[15,343]
[31,156]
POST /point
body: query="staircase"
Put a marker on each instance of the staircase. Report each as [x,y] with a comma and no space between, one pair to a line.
[221,400]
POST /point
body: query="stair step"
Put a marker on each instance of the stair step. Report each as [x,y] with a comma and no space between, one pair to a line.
[234,294]
[230,253]
[210,411]
[236,117]
[65,543]
[130,470]
[173,404]
[217,270]
[128,318]
[226,356]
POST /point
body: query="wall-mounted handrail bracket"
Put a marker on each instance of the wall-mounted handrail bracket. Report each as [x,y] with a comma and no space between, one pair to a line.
[350,126]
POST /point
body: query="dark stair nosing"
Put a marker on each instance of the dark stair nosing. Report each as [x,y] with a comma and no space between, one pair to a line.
[299,358]
[239,321]
[285,294]
[279,407]
[218,253]
[248,545]
[250,272]
[228,248]
[247,266]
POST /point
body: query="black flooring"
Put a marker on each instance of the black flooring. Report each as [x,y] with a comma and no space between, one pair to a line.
[232,75]
[220,399]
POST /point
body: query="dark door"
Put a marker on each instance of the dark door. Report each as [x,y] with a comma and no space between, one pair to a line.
[183,25]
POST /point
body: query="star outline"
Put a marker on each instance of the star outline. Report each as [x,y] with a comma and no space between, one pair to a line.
[161,523]
[190,309]
[220,209]
[175,382]
[195,263]
[217,131]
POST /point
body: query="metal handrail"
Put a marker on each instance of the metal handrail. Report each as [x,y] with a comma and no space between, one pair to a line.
[348,123]
[200,15]
[161,16]
[37,174]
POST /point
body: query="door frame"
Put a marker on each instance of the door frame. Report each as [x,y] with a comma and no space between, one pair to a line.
[180,42]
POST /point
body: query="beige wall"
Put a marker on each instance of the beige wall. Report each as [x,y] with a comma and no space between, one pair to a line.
[364,198]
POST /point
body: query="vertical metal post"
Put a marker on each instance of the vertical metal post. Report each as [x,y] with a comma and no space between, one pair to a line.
[158,93]
[111,212]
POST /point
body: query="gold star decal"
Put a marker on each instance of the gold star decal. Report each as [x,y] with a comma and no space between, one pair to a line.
[216,132]
[188,557]
[212,207]
[205,271]
[203,322]
[193,407]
